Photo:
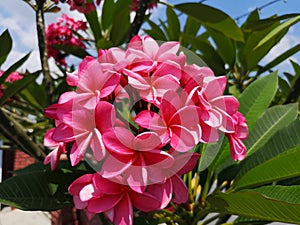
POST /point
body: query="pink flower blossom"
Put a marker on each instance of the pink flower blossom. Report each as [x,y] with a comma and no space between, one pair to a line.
[114,199]
[62,33]
[177,124]
[58,148]
[132,156]
[135,4]
[237,148]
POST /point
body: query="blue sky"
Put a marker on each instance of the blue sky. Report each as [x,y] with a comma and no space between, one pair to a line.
[19,18]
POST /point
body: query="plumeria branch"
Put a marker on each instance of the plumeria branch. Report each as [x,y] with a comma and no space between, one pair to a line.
[14,131]
[40,25]
[139,17]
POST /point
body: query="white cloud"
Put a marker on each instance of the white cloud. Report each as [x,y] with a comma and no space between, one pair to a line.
[287,42]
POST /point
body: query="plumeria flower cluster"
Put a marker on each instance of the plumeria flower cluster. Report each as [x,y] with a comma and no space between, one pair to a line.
[63,33]
[140,112]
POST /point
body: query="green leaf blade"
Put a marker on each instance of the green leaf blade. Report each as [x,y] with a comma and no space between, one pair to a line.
[255,205]
[213,18]
[5,46]
[257,97]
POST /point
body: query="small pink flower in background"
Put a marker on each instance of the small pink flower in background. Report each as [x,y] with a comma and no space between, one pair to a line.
[237,148]
[62,33]
[14,76]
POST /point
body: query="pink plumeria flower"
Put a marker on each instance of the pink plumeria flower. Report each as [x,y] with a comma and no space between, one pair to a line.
[132,156]
[93,83]
[86,131]
[237,148]
[177,124]
[115,200]
[144,54]
[152,88]
[58,148]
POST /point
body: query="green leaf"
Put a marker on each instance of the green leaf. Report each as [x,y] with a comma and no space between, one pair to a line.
[120,27]
[191,26]
[5,46]
[72,50]
[92,18]
[155,31]
[213,18]
[284,166]
[17,86]
[36,96]
[286,138]
[41,190]
[272,120]
[173,24]
[107,14]
[13,68]
[283,56]
[225,46]
[208,53]
[257,97]
[255,205]
[290,194]
[278,30]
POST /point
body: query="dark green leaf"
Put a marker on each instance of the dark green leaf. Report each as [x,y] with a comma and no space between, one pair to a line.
[5,46]
[225,46]
[191,26]
[120,27]
[255,205]
[155,32]
[107,14]
[213,18]
[72,50]
[13,68]
[17,86]
[173,24]
[92,18]
[41,190]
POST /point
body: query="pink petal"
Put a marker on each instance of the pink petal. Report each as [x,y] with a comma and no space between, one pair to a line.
[146,141]
[124,212]
[229,104]
[72,78]
[97,145]
[48,141]
[105,116]
[137,177]
[215,86]
[79,148]
[179,189]
[170,47]
[184,163]
[150,47]
[170,103]
[237,148]
[110,83]
[106,186]
[78,203]
[104,203]
[144,201]
[150,120]
[113,167]
[63,133]
[80,182]
[86,193]
[162,192]
[209,134]
[158,158]
[182,139]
